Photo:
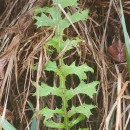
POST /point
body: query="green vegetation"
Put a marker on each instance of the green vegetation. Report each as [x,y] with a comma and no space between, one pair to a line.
[56,18]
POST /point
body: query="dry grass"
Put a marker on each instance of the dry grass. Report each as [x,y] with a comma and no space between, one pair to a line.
[22,46]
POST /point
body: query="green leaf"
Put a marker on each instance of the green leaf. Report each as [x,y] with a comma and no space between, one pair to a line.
[54,42]
[77,120]
[51,66]
[33,124]
[88,89]
[83,88]
[76,17]
[31,106]
[83,109]
[45,90]
[66,3]
[6,125]
[34,121]
[67,70]
[53,124]
[72,69]
[44,20]
[55,19]
[48,114]
[68,44]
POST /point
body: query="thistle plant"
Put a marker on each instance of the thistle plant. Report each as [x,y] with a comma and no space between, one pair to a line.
[56,18]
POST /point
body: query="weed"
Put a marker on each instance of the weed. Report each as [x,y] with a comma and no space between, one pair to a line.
[59,20]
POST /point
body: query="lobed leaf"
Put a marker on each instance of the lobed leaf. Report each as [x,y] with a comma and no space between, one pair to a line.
[52,20]
[70,43]
[77,70]
[55,19]
[43,20]
[48,114]
[45,90]
[88,89]
[83,88]
[65,70]
[76,17]
[84,109]
[67,45]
